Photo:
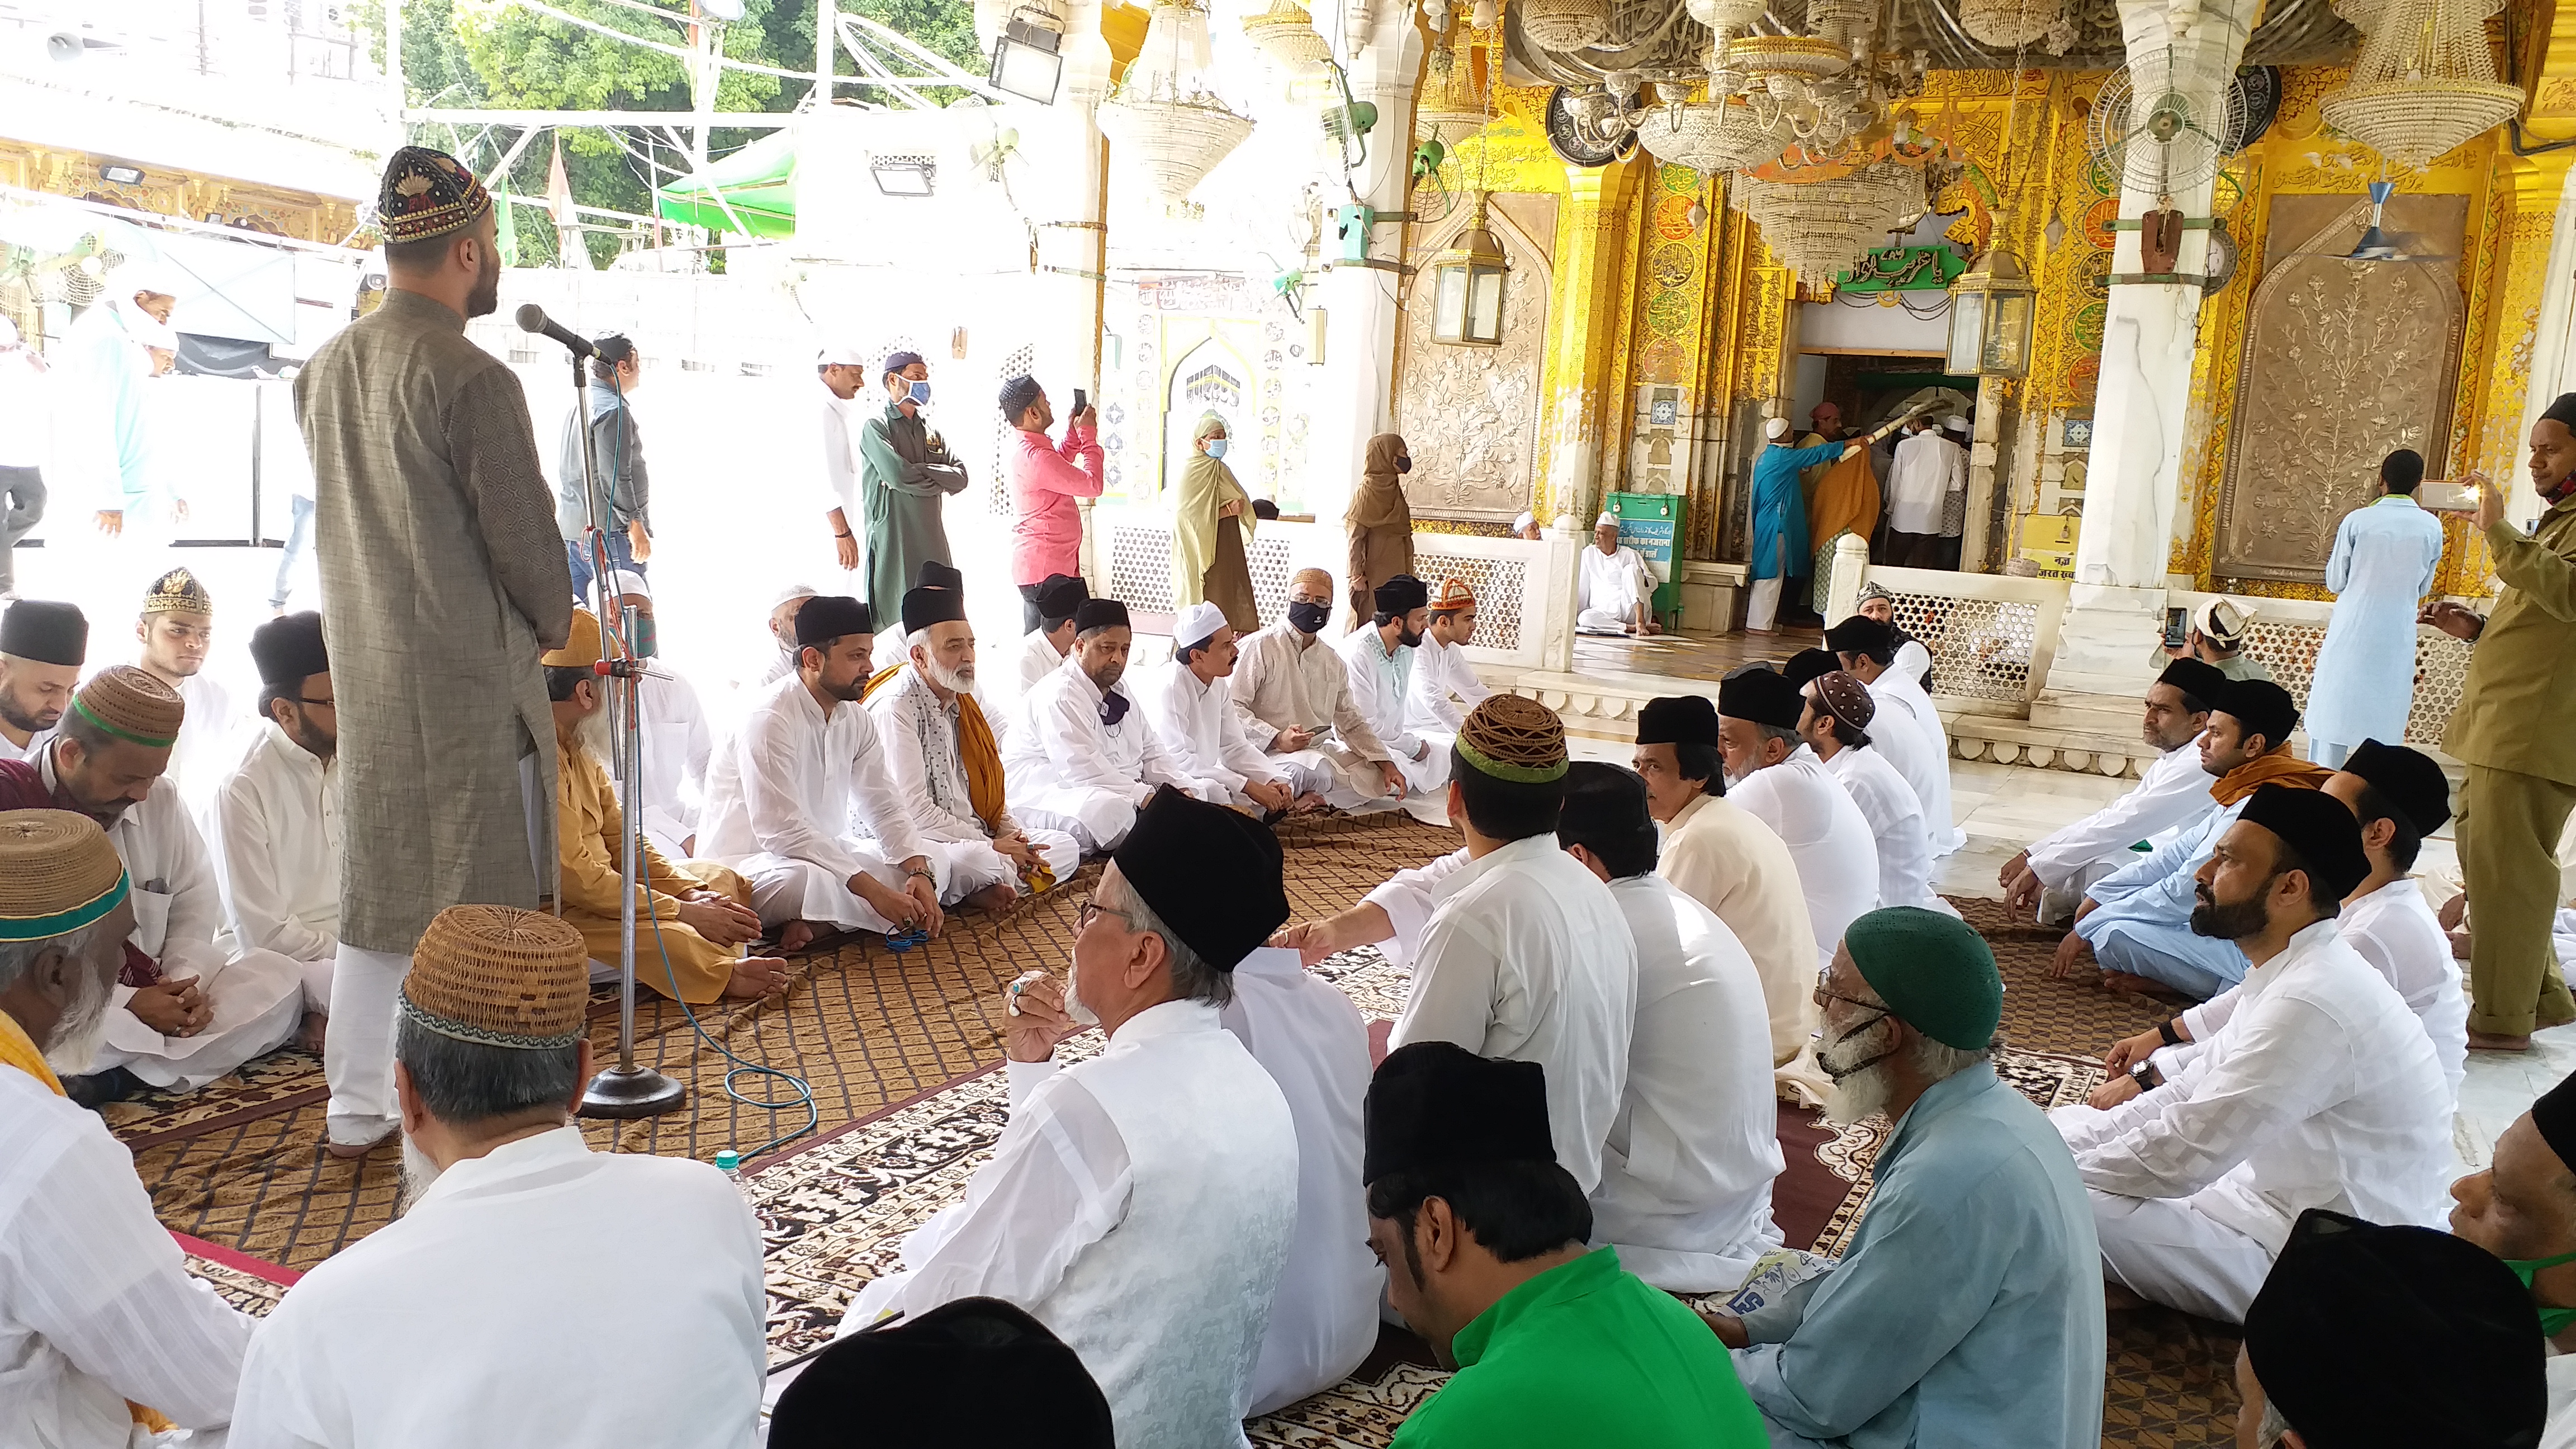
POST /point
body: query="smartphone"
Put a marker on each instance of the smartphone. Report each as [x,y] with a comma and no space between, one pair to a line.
[2448,497]
[1081,401]
[2176,623]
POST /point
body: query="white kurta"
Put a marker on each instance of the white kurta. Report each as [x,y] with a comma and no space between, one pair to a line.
[676,750]
[257,995]
[2172,794]
[1037,659]
[2320,1090]
[1141,1205]
[1444,688]
[1900,696]
[448,1325]
[836,474]
[2382,566]
[1895,819]
[1068,769]
[1928,469]
[95,1305]
[211,738]
[1379,681]
[277,849]
[1735,865]
[1199,729]
[1686,1171]
[1312,1041]
[26,751]
[1613,586]
[1284,679]
[1527,958]
[799,804]
[919,732]
[1827,836]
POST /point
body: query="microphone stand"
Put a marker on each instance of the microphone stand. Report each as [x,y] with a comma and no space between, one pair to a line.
[624,1091]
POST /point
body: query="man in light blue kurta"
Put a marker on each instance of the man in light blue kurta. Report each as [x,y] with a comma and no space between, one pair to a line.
[1967,1312]
[2383,563]
[1780,548]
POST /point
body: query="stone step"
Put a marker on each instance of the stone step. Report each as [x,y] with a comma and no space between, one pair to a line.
[2021,742]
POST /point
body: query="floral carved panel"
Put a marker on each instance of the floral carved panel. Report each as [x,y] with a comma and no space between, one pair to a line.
[2344,363]
[1470,414]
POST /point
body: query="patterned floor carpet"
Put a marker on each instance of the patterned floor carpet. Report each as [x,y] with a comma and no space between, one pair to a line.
[898,1050]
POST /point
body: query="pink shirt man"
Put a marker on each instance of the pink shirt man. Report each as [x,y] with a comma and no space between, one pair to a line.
[1046,527]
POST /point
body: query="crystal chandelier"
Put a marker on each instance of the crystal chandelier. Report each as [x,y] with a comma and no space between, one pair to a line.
[1163,119]
[1709,137]
[1820,229]
[2425,83]
[1286,37]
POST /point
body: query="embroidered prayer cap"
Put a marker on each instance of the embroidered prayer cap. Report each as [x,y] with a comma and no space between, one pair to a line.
[1060,596]
[928,605]
[1775,429]
[1525,519]
[132,705]
[1437,1104]
[1017,394]
[1213,874]
[58,873]
[178,592]
[2562,411]
[909,1379]
[1509,737]
[1860,634]
[622,582]
[1762,696]
[897,361]
[827,617]
[1452,595]
[427,195]
[1677,719]
[2453,1354]
[1875,590]
[2410,780]
[583,644]
[1196,625]
[2222,621]
[839,354]
[1933,971]
[45,631]
[1094,614]
[1846,699]
[791,593]
[2320,828]
[2197,679]
[288,650]
[500,976]
[1401,595]
[2554,1115]
[936,575]
[2259,707]
[1809,664]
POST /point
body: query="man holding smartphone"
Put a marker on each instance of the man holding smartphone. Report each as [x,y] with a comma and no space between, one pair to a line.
[1046,478]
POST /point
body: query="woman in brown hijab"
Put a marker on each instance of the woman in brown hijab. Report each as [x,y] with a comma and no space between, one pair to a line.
[1380,521]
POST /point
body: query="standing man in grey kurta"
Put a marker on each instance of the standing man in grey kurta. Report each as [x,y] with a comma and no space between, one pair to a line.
[435,531]
[904,472]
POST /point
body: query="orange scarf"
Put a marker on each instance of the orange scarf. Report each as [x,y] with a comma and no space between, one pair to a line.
[2279,767]
[17,1049]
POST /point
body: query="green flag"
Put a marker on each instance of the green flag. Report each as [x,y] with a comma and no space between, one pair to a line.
[507,230]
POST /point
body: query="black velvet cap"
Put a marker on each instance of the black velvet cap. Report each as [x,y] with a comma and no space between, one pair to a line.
[289,649]
[2410,780]
[830,616]
[928,605]
[1099,614]
[1680,719]
[2320,828]
[1809,664]
[2555,1115]
[2260,707]
[2201,680]
[1861,634]
[1762,696]
[2562,411]
[1213,874]
[1060,596]
[936,575]
[47,631]
[972,1373]
[1437,1104]
[1402,595]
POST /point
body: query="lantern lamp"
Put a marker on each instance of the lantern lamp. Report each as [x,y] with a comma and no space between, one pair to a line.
[1027,56]
[1993,308]
[1467,286]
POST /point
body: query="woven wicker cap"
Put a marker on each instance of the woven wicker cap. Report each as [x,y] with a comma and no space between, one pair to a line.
[500,976]
[58,873]
[581,647]
[132,705]
[1514,738]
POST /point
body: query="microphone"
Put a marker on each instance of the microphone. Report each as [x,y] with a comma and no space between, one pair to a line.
[532,318]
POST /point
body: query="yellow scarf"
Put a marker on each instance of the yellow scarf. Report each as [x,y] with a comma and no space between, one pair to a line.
[2278,767]
[17,1049]
[981,755]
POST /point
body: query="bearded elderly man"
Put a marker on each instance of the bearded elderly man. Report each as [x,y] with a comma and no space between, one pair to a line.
[801,802]
[511,1223]
[1141,1203]
[1967,1310]
[2171,796]
[103,1334]
[1777,780]
[1294,696]
[1081,758]
[42,645]
[2320,1090]
[277,816]
[940,749]
[187,1011]
[1194,717]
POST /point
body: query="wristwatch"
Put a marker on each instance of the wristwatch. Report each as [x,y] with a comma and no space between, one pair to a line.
[2147,1077]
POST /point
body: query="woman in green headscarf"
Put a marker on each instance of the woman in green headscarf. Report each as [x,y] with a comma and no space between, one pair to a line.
[1211,524]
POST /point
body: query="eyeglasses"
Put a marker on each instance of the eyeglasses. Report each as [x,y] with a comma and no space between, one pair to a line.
[1823,996]
[1091,907]
[331,704]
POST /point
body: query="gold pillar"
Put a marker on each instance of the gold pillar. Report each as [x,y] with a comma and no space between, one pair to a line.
[1581,386]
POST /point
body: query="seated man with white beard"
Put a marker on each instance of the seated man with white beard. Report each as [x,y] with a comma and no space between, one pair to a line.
[2320,1090]
[1294,696]
[941,751]
[277,817]
[800,801]
[1967,1309]
[1194,717]
[1082,758]
[99,1315]
[510,1222]
[1141,1202]
[1774,778]
[782,630]
[1686,1174]
[1835,713]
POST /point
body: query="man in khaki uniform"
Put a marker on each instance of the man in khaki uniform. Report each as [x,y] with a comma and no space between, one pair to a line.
[2511,731]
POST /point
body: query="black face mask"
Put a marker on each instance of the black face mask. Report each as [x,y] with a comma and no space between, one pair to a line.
[1404,465]
[1309,618]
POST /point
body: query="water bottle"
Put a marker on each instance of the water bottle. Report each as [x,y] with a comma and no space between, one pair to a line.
[729,1162]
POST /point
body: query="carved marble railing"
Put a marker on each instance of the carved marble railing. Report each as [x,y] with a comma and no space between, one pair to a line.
[2286,633]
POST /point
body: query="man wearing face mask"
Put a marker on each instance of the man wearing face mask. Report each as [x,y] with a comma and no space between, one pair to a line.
[1380,523]
[1380,658]
[905,471]
[1294,697]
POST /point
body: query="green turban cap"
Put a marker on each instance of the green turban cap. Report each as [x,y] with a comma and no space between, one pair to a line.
[1933,971]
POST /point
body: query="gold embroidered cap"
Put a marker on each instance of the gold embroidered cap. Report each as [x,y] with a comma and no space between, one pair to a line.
[1514,738]
[581,647]
[58,873]
[499,976]
[1452,596]
[133,705]
[178,592]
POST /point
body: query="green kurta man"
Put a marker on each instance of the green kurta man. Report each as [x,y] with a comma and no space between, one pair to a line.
[1483,1235]
[2511,731]
[904,473]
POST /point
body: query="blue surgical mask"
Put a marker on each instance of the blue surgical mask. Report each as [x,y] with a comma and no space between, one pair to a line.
[646,642]
[920,393]
[1216,447]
